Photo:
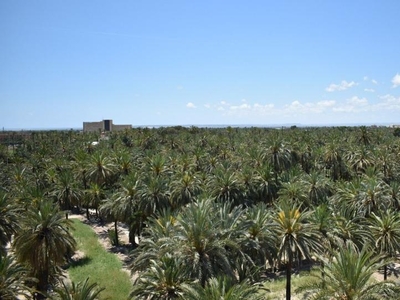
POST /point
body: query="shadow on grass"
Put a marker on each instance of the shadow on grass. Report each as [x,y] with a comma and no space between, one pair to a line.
[79,262]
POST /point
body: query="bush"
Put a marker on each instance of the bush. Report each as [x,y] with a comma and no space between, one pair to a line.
[113,237]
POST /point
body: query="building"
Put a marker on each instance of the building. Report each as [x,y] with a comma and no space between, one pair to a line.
[105,125]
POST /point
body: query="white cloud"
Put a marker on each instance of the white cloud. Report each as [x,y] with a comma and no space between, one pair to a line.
[374,81]
[207,105]
[358,101]
[353,105]
[369,90]
[344,85]
[396,80]
[242,106]
[353,109]
[190,105]
[365,78]
[389,102]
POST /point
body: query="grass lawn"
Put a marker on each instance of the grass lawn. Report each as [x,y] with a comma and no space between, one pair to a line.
[277,288]
[98,264]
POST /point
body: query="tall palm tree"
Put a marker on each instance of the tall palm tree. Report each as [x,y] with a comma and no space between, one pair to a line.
[333,160]
[260,238]
[385,231]
[184,188]
[317,187]
[66,190]
[101,167]
[93,197]
[154,194]
[224,186]
[204,241]
[373,196]
[348,276]
[279,156]
[43,244]
[266,188]
[297,237]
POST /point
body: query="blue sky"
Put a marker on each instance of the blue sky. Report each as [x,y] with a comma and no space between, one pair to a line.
[199,62]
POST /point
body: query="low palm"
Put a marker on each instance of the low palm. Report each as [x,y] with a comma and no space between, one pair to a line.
[223,288]
[348,276]
[80,291]
[13,279]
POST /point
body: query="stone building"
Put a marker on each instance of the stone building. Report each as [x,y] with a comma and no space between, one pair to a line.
[105,125]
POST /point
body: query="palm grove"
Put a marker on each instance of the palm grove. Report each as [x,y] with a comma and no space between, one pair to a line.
[212,213]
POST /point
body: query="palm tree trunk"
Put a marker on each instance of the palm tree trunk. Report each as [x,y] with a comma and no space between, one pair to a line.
[288,277]
[116,232]
[385,272]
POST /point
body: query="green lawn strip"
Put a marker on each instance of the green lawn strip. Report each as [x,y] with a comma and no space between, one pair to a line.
[98,264]
[277,288]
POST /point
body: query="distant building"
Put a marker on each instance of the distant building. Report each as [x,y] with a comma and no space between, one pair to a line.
[105,125]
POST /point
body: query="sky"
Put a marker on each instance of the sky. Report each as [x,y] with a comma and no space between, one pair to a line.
[218,62]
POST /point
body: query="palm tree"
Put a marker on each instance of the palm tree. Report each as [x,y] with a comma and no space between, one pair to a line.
[260,238]
[101,167]
[80,291]
[164,279]
[204,242]
[9,220]
[123,205]
[154,194]
[13,280]
[385,230]
[66,190]
[373,195]
[359,160]
[394,191]
[279,157]
[333,160]
[266,188]
[43,244]
[348,227]
[348,276]
[317,187]
[293,191]
[204,235]
[297,237]
[93,197]
[223,288]
[184,188]
[224,186]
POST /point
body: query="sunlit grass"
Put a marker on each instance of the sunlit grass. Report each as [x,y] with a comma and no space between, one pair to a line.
[98,264]
[277,288]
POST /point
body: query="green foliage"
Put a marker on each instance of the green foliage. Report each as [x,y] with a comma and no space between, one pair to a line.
[44,243]
[14,281]
[80,291]
[211,197]
[349,276]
